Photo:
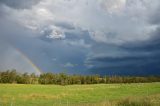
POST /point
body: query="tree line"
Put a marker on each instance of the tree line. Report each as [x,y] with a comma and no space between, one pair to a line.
[12,76]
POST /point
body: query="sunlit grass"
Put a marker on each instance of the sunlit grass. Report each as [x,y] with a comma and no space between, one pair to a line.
[85,95]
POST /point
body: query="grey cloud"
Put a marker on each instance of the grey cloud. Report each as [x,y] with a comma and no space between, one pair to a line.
[155,16]
[65,25]
[150,45]
[13,59]
[20,4]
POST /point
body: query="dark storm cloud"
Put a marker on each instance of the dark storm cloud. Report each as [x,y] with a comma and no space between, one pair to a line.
[136,63]
[20,4]
[142,58]
[132,70]
[127,59]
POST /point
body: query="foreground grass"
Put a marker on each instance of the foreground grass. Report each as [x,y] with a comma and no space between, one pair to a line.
[145,94]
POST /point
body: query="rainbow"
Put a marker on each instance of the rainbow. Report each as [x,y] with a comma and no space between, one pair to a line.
[38,71]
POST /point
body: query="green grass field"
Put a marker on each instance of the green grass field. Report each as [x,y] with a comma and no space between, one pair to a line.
[147,94]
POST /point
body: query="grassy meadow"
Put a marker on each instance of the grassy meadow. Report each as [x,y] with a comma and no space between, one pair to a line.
[140,94]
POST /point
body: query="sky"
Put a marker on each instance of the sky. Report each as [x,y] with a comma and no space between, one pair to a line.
[106,37]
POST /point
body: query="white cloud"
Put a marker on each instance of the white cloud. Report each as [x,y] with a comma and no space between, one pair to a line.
[56,34]
[69,65]
[112,6]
